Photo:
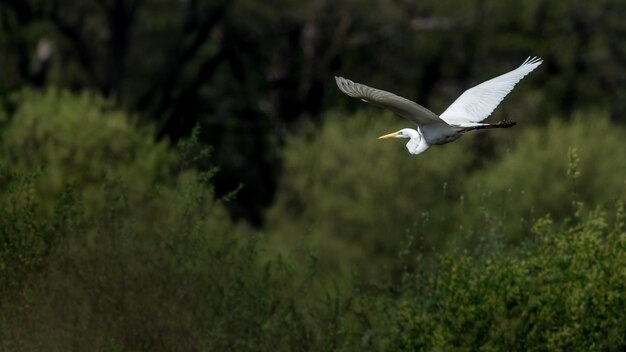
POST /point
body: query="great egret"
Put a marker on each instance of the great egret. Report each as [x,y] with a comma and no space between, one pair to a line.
[464,115]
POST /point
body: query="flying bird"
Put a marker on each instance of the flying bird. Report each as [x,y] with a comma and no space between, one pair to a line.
[464,115]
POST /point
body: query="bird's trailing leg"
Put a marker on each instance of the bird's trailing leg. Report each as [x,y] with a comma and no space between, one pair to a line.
[501,124]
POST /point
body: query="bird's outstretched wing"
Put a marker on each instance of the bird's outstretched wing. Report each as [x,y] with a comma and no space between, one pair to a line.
[477,103]
[401,106]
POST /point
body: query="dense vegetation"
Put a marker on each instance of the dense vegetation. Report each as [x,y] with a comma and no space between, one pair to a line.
[185,176]
[118,243]
[254,72]
[446,200]
[565,291]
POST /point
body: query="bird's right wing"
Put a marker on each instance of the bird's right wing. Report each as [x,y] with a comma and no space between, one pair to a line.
[401,106]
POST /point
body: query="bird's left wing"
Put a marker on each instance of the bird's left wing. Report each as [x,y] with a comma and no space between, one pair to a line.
[477,103]
[401,106]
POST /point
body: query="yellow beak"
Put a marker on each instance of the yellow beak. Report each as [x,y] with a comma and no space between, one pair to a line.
[390,135]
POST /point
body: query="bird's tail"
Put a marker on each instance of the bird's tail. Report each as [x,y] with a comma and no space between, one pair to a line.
[501,124]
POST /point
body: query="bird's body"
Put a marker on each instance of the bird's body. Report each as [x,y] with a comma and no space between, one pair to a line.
[464,115]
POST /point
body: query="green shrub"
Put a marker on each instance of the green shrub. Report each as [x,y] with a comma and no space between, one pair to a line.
[566,292]
[100,258]
[108,229]
[535,177]
[80,139]
[356,201]
[188,279]
[26,241]
[352,198]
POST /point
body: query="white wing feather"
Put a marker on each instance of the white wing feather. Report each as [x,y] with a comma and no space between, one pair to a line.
[477,103]
[401,106]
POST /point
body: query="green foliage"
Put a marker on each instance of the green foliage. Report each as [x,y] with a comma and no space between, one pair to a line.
[254,71]
[548,168]
[146,267]
[112,241]
[187,280]
[563,293]
[106,262]
[82,140]
[342,188]
[25,240]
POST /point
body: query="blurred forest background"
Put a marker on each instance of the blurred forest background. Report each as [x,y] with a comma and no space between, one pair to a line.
[184,175]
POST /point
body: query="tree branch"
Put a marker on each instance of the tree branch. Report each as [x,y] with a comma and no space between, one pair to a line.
[165,84]
[72,33]
[178,121]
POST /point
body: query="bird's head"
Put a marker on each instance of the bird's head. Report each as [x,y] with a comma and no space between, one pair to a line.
[403,133]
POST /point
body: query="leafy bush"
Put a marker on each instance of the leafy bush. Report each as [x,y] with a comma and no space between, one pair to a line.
[25,240]
[353,198]
[566,292]
[357,201]
[549,168]
[187,280]
[82,140]
[100,258]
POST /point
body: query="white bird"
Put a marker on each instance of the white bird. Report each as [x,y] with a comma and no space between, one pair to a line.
[464,115]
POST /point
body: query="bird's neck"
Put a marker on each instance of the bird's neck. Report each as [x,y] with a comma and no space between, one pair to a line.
[417,144]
